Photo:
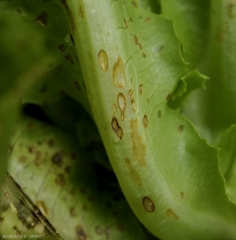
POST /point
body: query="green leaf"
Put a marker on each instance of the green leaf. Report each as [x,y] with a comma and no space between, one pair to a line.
[131,63]
[49,18]
[61,179]
[228,163]
[191,20]
[187,84]
[17,73]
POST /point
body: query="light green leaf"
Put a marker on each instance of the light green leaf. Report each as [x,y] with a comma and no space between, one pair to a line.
[191,20]
[131,63]
[188,83]
[228,163]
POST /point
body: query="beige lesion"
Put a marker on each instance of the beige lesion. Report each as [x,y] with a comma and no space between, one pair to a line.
[139,149]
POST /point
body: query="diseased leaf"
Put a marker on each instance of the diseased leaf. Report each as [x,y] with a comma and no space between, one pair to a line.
[168,174]
[62,181]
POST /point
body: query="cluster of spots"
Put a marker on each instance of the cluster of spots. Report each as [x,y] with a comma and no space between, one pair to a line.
[69,58]
[134,174]
[148,204]
[145,121]
[119,74]
[116,127]
[42,20]
[80,233]
[42,207]
[57,158]
[159,113]
[139,148]
[132,101]
[81,13]
[137,43]
[103,60]
[144,55]
[171,214]
[60,180]
[122,105]
[180,128]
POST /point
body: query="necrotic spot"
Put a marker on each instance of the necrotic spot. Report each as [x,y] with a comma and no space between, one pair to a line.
[116,127]
[140,89]
[145,121]
[80,233]
[98,230]
[172,214]
[42,20]
[103,60]
[57,159]
[148,204]
[180,128]
[119,73]
[60,180]
[62,48]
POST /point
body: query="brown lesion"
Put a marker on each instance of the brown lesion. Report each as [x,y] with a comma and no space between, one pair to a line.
[148,204]
[139,149]
[119,78]
[231,9]
[69,14]
[121,100]
[134,174]
[81,13]
[80,233]
[172,214]
[116,127]
[60,180]
[42,19]
[57,158]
